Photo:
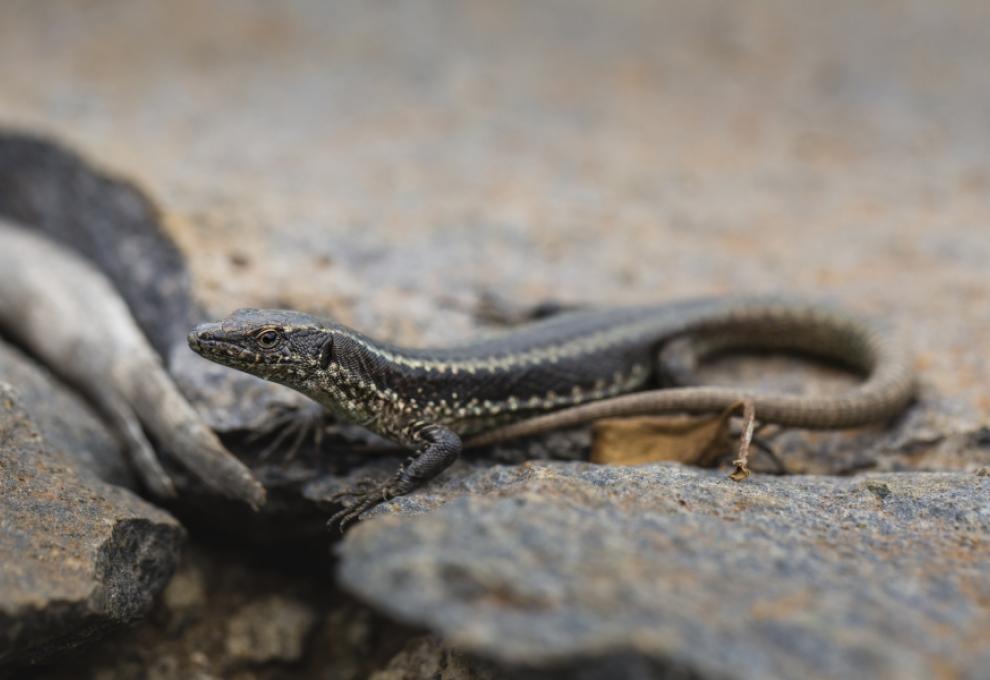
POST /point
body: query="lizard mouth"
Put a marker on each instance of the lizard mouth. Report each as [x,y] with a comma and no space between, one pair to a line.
[202,339]
[207,341]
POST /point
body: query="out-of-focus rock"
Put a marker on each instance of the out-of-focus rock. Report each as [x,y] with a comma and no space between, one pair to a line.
[47,187]
[66,422]
[269,630]
[106,219]
[237,614]
[582,567]
[80,557]
[428,657]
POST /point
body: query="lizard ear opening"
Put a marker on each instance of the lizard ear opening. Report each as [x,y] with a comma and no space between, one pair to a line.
[326,352]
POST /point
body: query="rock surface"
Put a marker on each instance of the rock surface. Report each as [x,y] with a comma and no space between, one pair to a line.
[419,175]
[392,164]
[80,556]
[45,186]
[269,630]
[577,566]
[427,657]
[228,613]
[106,219]
[66,422]
[541,151]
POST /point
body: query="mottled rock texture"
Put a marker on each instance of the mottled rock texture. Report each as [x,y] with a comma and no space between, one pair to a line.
[577,566]
[388,163]
[47,187]
[79,556]
[380,162]
[230,613]
[64,419]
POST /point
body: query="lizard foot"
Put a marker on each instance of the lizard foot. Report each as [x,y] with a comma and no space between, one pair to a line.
[365,495]
[440,447]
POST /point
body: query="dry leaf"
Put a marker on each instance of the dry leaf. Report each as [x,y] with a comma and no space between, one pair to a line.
[698,440]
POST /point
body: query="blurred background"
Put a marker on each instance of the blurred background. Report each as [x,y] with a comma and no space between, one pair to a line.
[364,159]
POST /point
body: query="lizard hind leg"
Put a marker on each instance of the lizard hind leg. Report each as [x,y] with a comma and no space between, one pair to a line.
[678,365]
[440,448]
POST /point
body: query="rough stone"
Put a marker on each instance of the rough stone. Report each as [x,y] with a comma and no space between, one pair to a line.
[66,422]
[188,633]
[45,186]
[108,220]
[273,629]
[80,556]
[428,657]
[473,178]
[429,156]
[569,565]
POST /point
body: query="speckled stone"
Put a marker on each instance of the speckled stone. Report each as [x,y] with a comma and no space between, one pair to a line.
[64,419]
[79,556]
[573,565]
[389,163]
[380,162]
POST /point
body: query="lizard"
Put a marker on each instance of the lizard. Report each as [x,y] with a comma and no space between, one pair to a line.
[566,370]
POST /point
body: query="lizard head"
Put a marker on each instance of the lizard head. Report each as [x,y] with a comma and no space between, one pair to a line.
[324,360]
[279,345]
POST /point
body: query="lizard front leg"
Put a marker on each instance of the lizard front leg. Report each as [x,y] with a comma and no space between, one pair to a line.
[439,448]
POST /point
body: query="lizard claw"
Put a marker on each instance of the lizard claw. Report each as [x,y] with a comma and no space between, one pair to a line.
[366,494]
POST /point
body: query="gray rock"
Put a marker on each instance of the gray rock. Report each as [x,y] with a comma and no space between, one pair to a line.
[638,570]
[106,219]
[56,191]
[80,556]
[427,657]
[273,629]
[541,150]
[48,187]
[66,422]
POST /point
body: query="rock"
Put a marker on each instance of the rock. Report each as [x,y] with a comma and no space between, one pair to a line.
[80,557]
[66,422]
[48,187]
[53,189]
[232,613]
[269,630]
[535,152]
[185,597]
[108,220]
[428,657]
[574,566]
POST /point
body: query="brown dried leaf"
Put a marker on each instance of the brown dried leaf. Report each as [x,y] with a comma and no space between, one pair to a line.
[697,440]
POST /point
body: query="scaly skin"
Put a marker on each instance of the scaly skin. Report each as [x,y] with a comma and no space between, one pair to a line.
[563,371]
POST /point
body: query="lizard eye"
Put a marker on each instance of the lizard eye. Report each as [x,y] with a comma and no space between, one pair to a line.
[268,339]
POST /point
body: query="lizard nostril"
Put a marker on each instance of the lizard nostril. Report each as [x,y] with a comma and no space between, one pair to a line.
[203,333]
